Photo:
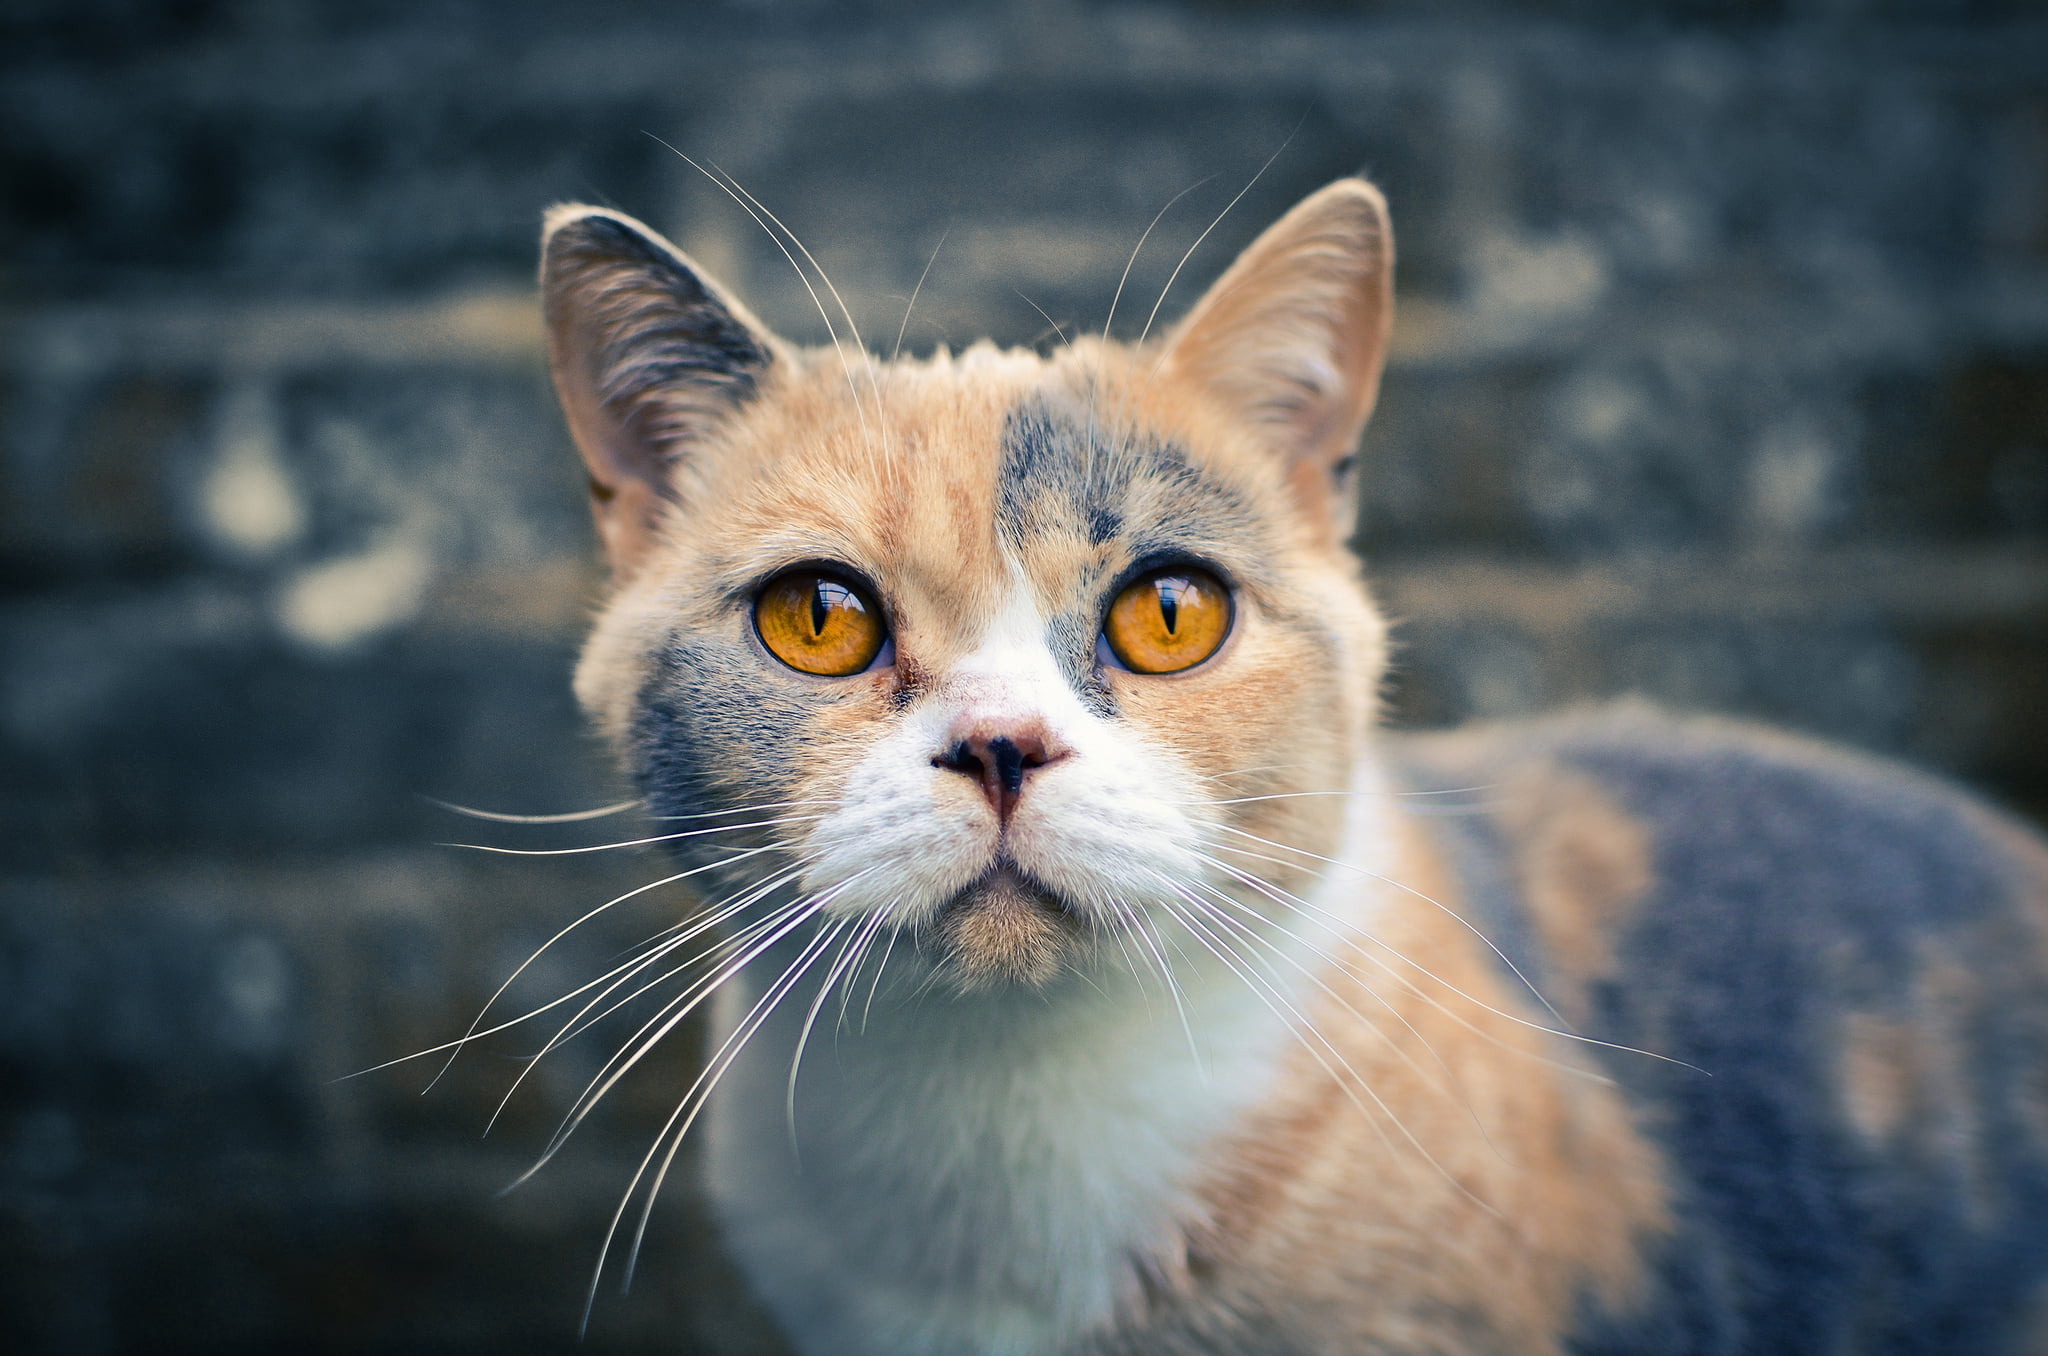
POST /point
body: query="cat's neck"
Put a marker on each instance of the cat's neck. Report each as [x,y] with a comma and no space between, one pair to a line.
[1013,1161]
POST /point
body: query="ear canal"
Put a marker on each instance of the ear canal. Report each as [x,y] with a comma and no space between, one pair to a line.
[1290,341]
[648,357]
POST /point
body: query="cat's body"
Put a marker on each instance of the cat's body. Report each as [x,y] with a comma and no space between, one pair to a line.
[1098,980]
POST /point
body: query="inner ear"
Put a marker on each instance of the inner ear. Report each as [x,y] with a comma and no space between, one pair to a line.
[650,360]
[1291,340]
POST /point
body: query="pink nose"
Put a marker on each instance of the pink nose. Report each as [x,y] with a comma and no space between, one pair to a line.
[999,758]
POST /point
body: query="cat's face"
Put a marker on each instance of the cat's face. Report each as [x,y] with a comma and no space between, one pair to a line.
[1023,658]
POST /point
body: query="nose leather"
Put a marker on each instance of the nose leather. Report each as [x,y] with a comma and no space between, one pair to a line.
[1000,760]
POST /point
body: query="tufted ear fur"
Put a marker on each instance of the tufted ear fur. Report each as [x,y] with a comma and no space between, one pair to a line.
[1291,339]
[648,358]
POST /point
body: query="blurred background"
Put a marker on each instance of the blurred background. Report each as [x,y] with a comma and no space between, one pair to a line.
[1721,376]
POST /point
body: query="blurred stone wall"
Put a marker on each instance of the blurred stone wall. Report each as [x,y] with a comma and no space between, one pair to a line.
[1721,376]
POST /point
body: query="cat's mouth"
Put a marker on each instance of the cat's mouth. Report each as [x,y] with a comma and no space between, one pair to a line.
[1004,928]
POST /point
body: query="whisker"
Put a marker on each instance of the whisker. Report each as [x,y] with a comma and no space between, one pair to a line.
[903,328]
[1254,935]
[1565,1033]
[728,1050]
[1056,329]
[543,948]
[666,941]
[1411,987]
[500,817]
[1120,919]
[1210,227]
[786,920]
[852,328]
[582,1020]
[477,1035]
[862,943]
[1150,943]
[734,191]
[723,947]
[1343,926]
[803,1036]
[714,1072]
[1298,1023]
[1444,909]
[1452,1085]
[635,842]
[1166,350]
[876,983]
[760,808]
[1131,262]
[797,861]
[1353,794]
[1287,141]
[1110,319]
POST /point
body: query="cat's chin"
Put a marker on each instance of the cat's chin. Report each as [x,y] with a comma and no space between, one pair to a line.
[1004,929]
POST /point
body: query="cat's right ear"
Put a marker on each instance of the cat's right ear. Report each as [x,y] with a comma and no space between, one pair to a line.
[1291,339]
[649,358]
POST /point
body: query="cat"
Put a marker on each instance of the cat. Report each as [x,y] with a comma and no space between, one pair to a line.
[1090,974]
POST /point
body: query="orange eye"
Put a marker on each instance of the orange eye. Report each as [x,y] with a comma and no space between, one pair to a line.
[819,623]
[1168,620]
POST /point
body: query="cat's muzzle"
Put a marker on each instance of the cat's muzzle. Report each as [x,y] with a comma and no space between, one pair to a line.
[1004,928]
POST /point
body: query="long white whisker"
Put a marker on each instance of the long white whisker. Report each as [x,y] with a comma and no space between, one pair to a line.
[734,191]
[583,1019]
[1342,927]
[500,817]
[1121,926]
[1150,942]
[1205,235]
[797,861]
[754,809]
[803,1035]
[1295,901]
[1452,1084]
[876,983]
[715,1071]
[1307,795]
[1171,277]
[662,944]
[1136,249]
[1444,909]
[543,948]
[1056,328]
[852,328]
[635,842]
[1303,1028]
[1296,1023]
[1129,396]
[747,1026]
[1166,350]
[477,1035]
[765,935]
[904,328]
[1118,295]
[862,944]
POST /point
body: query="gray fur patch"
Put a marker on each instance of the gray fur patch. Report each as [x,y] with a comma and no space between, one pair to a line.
[1128,498]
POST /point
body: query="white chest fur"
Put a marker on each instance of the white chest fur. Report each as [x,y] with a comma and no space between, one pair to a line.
[986,1175]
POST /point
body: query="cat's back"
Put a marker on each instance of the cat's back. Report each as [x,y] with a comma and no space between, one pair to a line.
[1853,958]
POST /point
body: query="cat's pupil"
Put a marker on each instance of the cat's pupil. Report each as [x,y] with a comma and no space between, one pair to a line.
[820,609]
[1169,602]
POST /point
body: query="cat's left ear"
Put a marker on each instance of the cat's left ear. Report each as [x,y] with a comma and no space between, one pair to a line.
[650,359]
[1290,341]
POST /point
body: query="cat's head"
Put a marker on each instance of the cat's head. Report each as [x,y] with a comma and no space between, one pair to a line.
[1022,656]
